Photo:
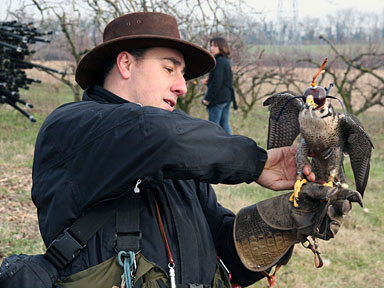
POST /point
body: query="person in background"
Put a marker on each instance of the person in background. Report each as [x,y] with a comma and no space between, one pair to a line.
[219,94]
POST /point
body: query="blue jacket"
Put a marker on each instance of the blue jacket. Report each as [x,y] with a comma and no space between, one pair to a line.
[98,148]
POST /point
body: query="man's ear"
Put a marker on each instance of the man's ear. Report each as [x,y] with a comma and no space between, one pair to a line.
[124,63]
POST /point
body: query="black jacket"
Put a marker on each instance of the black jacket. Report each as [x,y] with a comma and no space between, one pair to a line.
[98,148]
[220,82]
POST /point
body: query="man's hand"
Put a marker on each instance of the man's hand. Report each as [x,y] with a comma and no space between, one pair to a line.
[280,169]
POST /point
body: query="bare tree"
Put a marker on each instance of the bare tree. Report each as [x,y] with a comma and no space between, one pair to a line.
[357,78]
[194,93]
[81,24]
[68,20]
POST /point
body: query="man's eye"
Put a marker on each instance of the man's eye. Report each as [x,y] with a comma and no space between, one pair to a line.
[169,69]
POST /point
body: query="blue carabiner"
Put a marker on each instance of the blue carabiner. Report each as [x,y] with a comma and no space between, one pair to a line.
[129,266]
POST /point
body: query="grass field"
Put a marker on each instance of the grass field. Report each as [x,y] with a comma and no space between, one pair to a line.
[354,259]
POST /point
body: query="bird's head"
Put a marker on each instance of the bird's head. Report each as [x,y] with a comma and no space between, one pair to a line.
[315,97]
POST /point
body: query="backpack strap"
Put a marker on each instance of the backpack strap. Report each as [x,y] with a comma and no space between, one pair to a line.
[68,244]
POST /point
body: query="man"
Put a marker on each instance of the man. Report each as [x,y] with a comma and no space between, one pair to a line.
[126,135]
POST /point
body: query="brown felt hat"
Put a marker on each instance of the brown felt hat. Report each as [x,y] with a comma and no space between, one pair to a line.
[141,30]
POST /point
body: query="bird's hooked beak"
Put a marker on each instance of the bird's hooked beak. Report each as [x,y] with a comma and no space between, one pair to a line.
[310,103]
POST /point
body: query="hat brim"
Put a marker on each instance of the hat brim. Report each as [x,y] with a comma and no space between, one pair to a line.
[198,61]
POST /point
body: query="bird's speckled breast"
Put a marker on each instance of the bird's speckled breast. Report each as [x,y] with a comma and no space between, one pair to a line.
[320,133]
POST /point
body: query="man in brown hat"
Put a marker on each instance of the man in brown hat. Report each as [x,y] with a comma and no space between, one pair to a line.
[125,138]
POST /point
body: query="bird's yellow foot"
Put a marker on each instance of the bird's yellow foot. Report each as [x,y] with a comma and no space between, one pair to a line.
[295,195]
[328,184]
[344,185]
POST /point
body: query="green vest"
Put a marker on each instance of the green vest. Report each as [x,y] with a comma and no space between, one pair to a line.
[148,275]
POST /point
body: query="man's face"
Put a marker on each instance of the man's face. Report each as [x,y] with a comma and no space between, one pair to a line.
[158,79]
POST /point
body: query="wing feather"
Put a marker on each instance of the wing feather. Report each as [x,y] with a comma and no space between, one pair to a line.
[283,132]
[359,147]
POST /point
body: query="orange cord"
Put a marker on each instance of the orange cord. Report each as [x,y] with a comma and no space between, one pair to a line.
[318,72]
[271,277]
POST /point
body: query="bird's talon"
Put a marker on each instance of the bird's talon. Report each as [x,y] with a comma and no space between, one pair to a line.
[344,185]
[295,195]
[295,202]
[328,184]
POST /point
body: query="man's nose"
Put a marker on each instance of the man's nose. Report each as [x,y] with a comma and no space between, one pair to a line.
[179,87]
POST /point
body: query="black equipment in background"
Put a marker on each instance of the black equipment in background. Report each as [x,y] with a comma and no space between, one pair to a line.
[14,40]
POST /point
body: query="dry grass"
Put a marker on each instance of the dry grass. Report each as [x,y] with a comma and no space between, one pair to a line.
[19,229]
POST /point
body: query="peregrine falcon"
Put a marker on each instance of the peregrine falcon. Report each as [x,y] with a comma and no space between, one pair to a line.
[325,135]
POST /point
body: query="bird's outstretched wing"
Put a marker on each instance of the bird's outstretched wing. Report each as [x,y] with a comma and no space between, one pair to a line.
[283,132]
[359,146]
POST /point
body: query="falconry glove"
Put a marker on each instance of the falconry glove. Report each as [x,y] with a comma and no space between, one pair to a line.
[266,232]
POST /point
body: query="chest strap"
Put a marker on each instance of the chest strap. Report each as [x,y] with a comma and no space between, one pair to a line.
[68,244]
[128,223]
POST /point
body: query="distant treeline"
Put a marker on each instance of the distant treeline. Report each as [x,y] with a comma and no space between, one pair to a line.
[340,27]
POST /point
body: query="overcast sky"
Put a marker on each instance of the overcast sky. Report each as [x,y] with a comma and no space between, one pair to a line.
[316,8]
[269,8]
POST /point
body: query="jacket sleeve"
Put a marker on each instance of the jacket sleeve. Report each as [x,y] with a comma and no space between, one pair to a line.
[103,153]
[215,80]
[220,221]
[190,148]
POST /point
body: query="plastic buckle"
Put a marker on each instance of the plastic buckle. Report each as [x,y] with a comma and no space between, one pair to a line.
[128,240]
[63,250]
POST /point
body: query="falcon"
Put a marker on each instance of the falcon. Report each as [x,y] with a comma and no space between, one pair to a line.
[325,136]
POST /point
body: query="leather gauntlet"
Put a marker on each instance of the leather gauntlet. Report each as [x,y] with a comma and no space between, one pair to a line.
[266,231]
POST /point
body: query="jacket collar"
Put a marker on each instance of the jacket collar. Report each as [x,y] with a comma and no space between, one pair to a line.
[220,55]
[99,94]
